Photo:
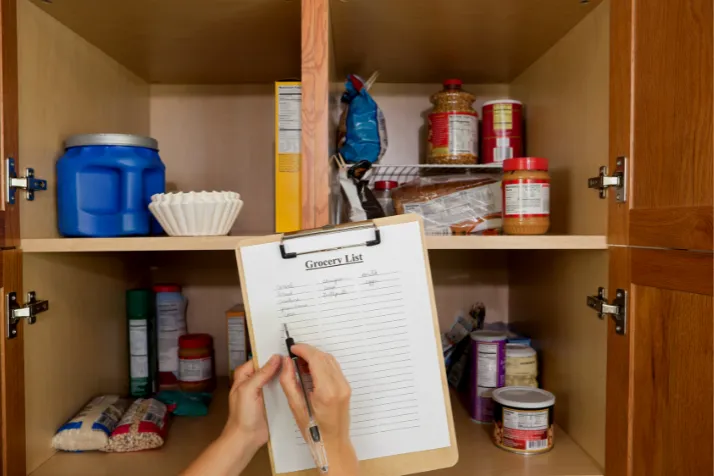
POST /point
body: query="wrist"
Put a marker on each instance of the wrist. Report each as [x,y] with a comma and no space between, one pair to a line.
[240,441]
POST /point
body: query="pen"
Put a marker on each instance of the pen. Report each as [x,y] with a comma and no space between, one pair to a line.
[317,448]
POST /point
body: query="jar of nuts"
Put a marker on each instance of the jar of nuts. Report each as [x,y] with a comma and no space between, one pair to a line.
[453,126]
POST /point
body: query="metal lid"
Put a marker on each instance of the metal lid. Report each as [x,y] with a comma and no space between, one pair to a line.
[524,397]
[502,101]
[488,336]
[111,139]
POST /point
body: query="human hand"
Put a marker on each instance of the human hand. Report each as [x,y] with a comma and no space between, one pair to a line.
[246,418]
[330,397]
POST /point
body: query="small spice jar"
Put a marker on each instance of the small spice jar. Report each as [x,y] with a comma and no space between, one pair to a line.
[383,193]
[526,196]
[453,126]
[196,363]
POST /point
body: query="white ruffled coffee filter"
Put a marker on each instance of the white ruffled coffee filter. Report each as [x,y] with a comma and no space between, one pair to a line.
[196,213]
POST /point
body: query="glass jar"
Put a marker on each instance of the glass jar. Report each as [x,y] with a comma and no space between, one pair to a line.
[453,127]
[383,194]
[526,196]
[196,372]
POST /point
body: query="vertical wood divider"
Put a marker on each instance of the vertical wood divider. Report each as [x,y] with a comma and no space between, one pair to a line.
[315,112]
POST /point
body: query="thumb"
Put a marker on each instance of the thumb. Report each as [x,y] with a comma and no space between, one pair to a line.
[263,375]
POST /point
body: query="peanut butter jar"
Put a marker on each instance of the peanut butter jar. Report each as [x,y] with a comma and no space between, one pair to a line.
[526,196]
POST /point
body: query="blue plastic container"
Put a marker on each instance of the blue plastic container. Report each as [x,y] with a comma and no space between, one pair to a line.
[105,183]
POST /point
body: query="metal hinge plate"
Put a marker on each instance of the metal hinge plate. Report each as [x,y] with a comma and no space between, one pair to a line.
[617,310]
[617,180]
[15,312]
[28,183]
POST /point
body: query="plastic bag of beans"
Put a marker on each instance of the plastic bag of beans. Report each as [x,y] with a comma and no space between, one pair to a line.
[143,427]
[89,430]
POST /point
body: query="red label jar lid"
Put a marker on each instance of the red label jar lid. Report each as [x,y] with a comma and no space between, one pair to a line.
[195,341]
[525,163]
[385,184]
[453,82]
[167,288]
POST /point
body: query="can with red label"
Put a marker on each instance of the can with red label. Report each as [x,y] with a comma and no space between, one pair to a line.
[502,130]
[453,126]
[523,419]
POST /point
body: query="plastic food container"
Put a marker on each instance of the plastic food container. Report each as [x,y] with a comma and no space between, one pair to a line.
[526,196]
[196,363]
[171,324]
[502,130]
[524,420]
[105,183]
[488,372]
[521,366]
[453,126]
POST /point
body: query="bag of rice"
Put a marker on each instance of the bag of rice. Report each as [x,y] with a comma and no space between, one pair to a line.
[142,427]
[89,430]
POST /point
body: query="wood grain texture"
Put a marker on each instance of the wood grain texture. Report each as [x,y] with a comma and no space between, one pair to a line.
[673,158]
[76,350]
[391,465]
[546,301]
[9,121]
[673,429]
[188,42]
[12,374]
[315,113]
[673,270]
[565,93]
[620,137]
[679,227]
[189,436]
[620,371]
[67,86]
[209,243]
[220,138]
[420,41]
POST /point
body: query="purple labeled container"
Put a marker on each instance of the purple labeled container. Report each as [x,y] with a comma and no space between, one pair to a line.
[488,372]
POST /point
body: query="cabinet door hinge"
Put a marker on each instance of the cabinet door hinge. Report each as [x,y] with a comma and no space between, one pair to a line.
[617,180]
[28,183]
[617,310]
[29,311]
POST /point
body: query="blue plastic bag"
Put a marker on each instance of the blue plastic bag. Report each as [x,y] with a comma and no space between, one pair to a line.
[363,131]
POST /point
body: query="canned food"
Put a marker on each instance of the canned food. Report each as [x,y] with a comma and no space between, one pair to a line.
[488,372]
[524,420]
[502,135]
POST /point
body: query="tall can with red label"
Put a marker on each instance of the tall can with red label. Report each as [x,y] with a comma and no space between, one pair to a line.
[502,127]
[453,126]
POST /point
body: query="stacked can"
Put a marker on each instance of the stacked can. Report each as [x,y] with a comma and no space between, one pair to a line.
[488,372]
[502,131]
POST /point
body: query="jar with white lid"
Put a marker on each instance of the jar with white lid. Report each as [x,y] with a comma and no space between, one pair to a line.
[521,366]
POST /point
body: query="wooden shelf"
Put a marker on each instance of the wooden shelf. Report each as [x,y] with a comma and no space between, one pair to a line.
[188,436]
[212,243]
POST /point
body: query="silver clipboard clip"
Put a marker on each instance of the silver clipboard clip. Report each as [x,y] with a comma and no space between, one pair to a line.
[326,230]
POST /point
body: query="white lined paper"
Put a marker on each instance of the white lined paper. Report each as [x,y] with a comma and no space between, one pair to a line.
[368,306]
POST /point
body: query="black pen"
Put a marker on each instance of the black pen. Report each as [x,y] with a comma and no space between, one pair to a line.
[317,448]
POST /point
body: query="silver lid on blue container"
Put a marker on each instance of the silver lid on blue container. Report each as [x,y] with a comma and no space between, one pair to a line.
[128,140]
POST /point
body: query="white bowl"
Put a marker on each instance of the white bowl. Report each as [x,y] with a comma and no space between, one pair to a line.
[196,213]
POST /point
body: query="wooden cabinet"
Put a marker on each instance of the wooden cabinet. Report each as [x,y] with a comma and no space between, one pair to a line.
[599,79]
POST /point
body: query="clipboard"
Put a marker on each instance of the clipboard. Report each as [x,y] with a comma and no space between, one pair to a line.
[402,464]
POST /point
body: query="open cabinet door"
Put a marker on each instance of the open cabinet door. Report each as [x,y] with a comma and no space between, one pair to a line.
[12,373]
[12,367]
[660,396]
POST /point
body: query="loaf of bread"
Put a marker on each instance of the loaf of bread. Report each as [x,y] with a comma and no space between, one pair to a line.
[453,204]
